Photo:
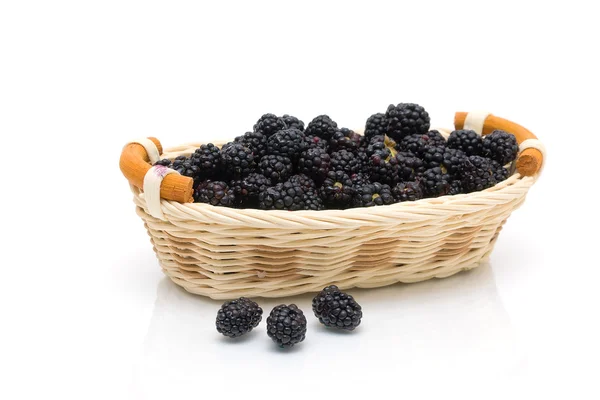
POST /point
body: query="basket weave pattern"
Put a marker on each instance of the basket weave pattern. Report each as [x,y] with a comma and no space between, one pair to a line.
[225,253]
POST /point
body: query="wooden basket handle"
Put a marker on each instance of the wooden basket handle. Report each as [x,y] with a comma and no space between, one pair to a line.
[529,161]
[135,163]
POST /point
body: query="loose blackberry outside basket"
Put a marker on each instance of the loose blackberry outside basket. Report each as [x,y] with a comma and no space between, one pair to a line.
[225,252]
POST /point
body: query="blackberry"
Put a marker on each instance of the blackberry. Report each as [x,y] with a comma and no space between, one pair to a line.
[455,187]
[314,163]
[409,166]
[312,201]
[337,190]
[337,309]
[346,161]
[288,142]
[417,144]
[376,125]
[293,122]
[500,146]
[246,190]
[269,124]
[255,141]
[186,167]
[478,173]
[434,182]
[321,126]
[383,167]
[304,182]
[165,162]
[208,158]
[345,139]
[315,141]
[465,140]
[276,168]
[373,194]
[407,191]
[216,193]
[237,160]
[283,196]
[286,325]
[238,317]
[406,119]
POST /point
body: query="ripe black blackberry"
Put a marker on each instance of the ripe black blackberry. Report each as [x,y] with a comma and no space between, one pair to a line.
[165,162]
[276,168]
[315,141]
[407,191]
[345,139]
[373,194]
[465,140]
[306,183]
[269,124]
[346,161]
[478,173]
[293,122]
[246,190]
[283,196]
[238,317]
[286,325]
[237,160]
[337,190]
[383,167]
[434,182]
[216,193]
[376,125]
[288,142]
[255,141]
[208,158]
[409,166]
[321,126]
[312,201]
[406,119]
[337,309]
[314,163]
[500,146]
[186,167]
[417,144]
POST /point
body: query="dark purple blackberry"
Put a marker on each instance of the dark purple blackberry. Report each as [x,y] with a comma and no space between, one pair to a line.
[186,167]
[407,191]
[383,167]
[238,317]
[288,142]
[337,190]
[500,146]
[246,190]
[293,122]
[237,160]
[312,201]
[314,163]
[376,125]
[417,144]
[467,141]
[286,325]
[283,196]
[360,179]
[373,194]
[165,162]
[345,139]
[208,158]
[276,168]
[306,183]
[434,182]
[455,187]
[406,119]
[216,193]
[478,173]
[321,126]
[255,141]
[409,166]
[315,141]
[337,309]
[346,161]
[269,124]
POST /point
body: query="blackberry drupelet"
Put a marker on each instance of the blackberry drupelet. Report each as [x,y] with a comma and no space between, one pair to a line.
[283,196]
[406,119]
[216,193]
[238,317]
[465,140]
[237,160]
[246,190]
[286,325]
[337,190]
[306,183]
[255,141]
[208,158]
[478,173]
[337,309]
[269,124]
[321,126]
[186,167]
[407,191]
[165,162]
[373,194]
[288,142]
[293,122]
[314,163]
[434,182]
[417,144]
[500,146]
[312,201]
[345,139]
[346,161]
[276,168]
[376,125]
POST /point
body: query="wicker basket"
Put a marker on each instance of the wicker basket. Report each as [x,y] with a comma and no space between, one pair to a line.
[224,253]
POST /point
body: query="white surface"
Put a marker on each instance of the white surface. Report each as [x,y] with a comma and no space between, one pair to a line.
[86,311]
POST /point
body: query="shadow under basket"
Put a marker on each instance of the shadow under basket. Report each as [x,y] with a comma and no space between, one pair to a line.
[225,253]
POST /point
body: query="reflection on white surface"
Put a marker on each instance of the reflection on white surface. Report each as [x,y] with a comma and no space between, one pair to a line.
[453,327]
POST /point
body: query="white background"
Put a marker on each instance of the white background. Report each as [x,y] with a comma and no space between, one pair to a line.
[85,310]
